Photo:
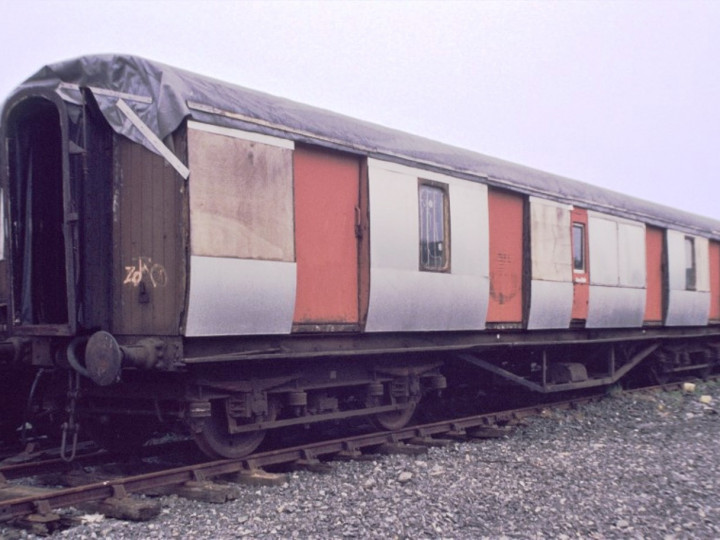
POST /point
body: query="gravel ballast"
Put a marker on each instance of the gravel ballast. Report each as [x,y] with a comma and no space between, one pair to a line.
[632,465]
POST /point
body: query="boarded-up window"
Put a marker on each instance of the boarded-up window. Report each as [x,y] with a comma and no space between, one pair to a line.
[550,240]
[617,252]
[631,255]
[241,194]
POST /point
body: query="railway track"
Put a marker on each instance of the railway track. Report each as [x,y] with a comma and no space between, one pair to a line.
[37,508]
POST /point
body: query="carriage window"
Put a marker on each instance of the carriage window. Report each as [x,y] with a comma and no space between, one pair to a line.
[578,244]
[434,227]
[690,268]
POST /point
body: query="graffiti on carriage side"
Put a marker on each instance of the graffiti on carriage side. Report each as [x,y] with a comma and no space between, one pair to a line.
[144,267]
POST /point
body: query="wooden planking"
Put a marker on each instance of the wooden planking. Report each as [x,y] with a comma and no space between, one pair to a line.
[149,273]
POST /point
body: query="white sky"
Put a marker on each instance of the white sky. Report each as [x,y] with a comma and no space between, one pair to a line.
[624,95]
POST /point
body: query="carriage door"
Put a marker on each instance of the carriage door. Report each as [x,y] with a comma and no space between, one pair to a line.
[328,240]
[581,272]
[506,210]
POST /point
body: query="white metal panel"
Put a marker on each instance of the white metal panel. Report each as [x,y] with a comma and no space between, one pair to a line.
[676,259]
[402,298]
[551,289]
[617,272]
[550,304]
[240,296]
[410,300]
[702,261]
[551,244]
[617,251]
[603,247]
[688,308]
[615,307]
[632,254]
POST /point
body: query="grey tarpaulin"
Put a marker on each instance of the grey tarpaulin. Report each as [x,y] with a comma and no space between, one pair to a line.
[163,96]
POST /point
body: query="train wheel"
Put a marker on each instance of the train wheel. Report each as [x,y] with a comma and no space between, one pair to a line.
[216,442]
[396,419]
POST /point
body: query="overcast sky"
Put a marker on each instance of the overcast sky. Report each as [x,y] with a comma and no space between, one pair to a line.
[624,95]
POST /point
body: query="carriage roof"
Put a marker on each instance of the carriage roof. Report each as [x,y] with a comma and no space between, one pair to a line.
[163,97]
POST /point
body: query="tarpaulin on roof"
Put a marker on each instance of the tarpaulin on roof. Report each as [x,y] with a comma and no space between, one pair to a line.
[162,97]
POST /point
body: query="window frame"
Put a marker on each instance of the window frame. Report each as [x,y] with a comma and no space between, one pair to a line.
[581,227]
[690,264]
[445,248]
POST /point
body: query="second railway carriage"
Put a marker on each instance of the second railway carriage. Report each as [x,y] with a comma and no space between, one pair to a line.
[178,249]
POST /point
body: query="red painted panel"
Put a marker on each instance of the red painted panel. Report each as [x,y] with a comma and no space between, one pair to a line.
[506,256]
[654,261]
[714,281]
[581,277]
[326,246]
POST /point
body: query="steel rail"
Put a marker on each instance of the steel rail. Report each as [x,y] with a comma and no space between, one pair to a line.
[45,502]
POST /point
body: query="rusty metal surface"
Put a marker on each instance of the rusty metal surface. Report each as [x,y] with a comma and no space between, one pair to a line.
[299,347]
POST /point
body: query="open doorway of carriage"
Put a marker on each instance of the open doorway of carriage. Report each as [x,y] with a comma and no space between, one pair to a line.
[35,167]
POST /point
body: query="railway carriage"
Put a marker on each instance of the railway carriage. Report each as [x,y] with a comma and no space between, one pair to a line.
[180,250]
